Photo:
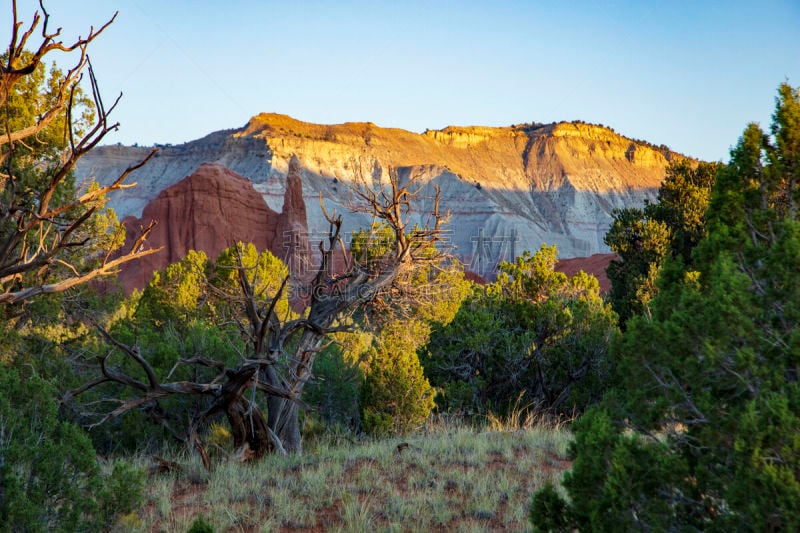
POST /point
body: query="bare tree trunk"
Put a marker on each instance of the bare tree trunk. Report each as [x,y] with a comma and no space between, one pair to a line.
[281,359]
[282,415]
[248,427]
[284,420]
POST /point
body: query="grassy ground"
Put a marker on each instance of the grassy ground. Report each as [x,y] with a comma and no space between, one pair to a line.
[441,479]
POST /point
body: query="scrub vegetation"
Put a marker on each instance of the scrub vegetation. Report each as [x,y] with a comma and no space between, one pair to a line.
[398,395]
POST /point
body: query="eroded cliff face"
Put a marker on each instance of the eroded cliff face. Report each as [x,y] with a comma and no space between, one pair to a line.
[210,210]
[507,189]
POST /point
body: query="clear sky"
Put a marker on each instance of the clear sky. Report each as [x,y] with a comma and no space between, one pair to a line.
[688,74]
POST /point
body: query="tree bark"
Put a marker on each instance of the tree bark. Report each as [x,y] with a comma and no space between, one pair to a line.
[248,427]
[284,420]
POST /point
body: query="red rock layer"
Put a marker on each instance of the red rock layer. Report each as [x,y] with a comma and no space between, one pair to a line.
[594,264]
[210,210]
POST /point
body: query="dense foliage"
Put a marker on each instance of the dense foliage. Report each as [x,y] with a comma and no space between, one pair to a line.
[702,430]
[186,326]
[49,477]
[692,416]
[644,238]
[53,238]
[535,336]
[395,396]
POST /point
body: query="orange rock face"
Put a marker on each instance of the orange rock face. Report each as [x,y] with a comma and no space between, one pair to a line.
[595,264]
[210,210]
[507,189]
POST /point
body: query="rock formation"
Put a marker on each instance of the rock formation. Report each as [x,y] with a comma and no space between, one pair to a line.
[595,265]
[292,235]
[210,210]
[507,189]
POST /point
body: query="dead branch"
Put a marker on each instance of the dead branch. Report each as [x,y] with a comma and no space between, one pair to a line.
[38,234]
[282,350]
[18,66]
[108,267]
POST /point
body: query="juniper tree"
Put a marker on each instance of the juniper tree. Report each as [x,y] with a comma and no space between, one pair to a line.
[702,431]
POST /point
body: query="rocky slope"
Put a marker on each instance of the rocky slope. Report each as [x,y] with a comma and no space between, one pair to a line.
[507,189]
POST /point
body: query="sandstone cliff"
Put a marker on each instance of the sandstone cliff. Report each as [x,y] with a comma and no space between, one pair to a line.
[507,189]
[210,210]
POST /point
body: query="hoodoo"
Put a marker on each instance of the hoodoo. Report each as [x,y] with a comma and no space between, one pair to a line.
[211,209]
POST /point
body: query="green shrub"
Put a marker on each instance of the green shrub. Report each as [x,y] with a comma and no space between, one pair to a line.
[200,525]
[395,397]
[703,430]
[334,390]
[48,472]
[122,492]
[548,510]
[535,336]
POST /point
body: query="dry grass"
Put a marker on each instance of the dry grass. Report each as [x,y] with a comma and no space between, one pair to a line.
[441,479]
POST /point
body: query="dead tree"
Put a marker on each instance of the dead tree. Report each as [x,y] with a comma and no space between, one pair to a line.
[44,241]
[281,353]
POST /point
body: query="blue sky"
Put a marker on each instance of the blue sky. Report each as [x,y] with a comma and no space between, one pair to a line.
[688,74]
